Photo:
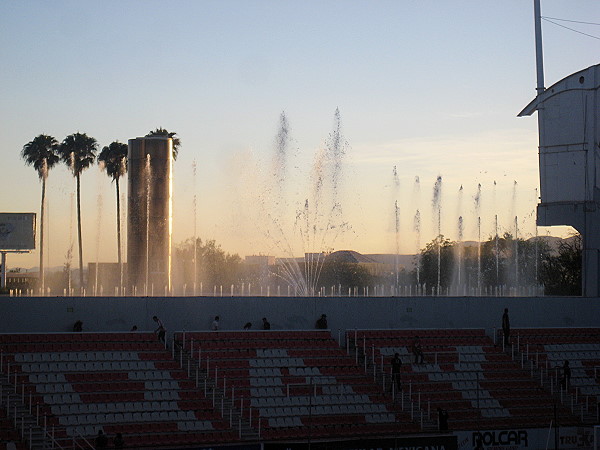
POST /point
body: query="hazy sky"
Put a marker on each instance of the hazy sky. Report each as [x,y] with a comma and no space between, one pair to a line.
[431,87]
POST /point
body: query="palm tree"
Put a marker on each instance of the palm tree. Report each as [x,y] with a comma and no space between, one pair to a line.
[41,153]
[171,134]
[114,159]
[78,151]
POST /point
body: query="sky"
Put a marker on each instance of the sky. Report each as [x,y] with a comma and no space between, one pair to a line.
[429,88]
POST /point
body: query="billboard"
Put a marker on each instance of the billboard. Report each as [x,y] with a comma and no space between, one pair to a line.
[567,438]
[17,231]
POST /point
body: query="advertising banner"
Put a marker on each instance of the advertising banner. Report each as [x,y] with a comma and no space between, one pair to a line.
[569,438]
[17,231]
[400,443]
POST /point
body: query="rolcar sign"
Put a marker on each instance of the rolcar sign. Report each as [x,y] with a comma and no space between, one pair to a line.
[569,438]
[517,438]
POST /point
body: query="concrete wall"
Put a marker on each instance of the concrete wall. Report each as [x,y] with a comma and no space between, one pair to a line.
[57,314]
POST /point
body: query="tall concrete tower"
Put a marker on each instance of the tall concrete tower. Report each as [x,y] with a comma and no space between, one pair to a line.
[150,208]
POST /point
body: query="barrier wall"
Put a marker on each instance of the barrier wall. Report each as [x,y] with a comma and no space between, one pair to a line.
[57,314]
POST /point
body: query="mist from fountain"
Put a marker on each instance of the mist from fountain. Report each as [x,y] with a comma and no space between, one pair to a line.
[516,232]
[396,190]
[317,220]
[416,225]
[99,210]
[477,201]
[417,229]
[195,208]
[537,250]
[460,237]
[436,203]
[69,255]
[496,237]
[148,181]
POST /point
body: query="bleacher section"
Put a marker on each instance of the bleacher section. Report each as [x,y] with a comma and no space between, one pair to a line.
[479,385]
[212,388]
[551,347]
[117,382]
[295,384]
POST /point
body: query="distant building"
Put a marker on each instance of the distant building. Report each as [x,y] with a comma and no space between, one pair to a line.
[258,268]
[260,260]
[372,266]
[22,280]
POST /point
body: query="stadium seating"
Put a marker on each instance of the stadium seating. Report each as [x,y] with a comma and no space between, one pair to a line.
[464,373]
[228,387]
[294,384]
[117,382]
[551,347]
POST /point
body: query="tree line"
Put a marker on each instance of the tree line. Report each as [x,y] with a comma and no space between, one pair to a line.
[499,261]
[502,260]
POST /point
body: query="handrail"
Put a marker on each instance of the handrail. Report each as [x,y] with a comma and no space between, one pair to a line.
[84,439]
[46,433]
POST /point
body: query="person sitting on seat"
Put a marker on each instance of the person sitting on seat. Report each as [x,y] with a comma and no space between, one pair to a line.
[321,323]
[266,325]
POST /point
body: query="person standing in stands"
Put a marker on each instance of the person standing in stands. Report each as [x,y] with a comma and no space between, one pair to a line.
[321,323]
[215,324]
[506,327]
[247,326]
[101,441]
[161,330]
[565,381]
[396,366]
[118,441]
[417,350]
[266,325]
[442,419]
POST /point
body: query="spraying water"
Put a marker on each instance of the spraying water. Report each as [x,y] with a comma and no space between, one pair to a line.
[460,236]
[496,246]
[437,211]
[396,184]
[497,250]
[148,175]
[516,253]
[195,205]
[516,237]
[123,220]
[537,250]
[317,218]
[417,229]
[69,256]
[99,208]
[477,201]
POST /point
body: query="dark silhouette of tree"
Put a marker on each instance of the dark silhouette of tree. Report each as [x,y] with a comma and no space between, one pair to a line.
[501,261]
[170,134]
[114,160]
[78,152]
[561,273]
[213,266]
[42,154]
[346,275]
[429,263]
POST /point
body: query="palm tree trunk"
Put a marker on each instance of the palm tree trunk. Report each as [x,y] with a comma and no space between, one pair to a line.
[42,277]
[79,234]
[119,237]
